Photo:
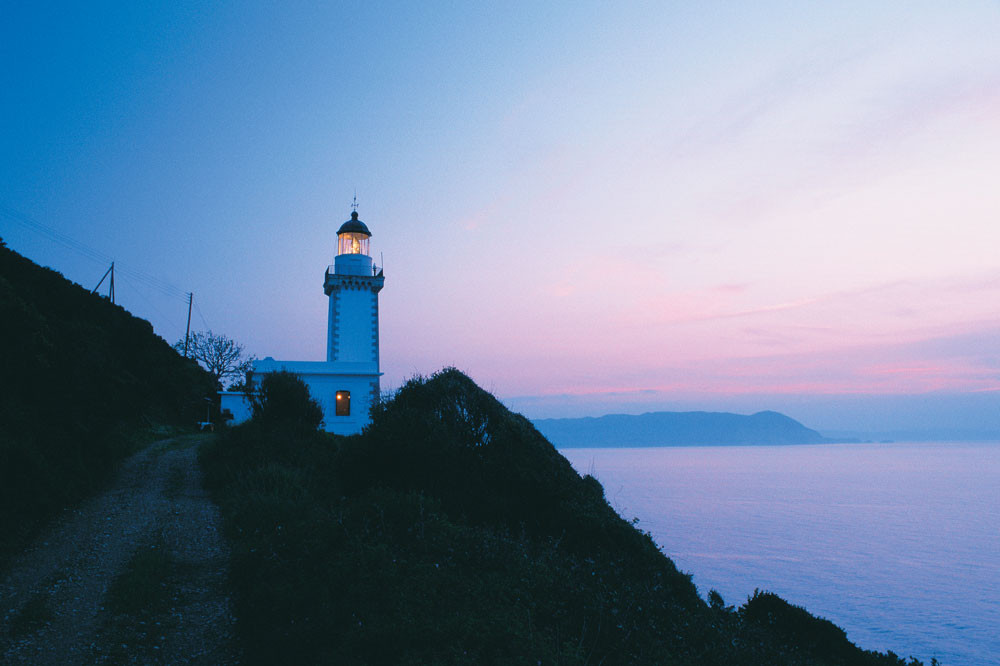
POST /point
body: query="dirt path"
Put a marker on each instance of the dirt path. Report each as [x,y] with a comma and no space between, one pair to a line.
[134,575]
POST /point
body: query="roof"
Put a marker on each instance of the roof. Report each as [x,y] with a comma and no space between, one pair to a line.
[354,225]
[310,368]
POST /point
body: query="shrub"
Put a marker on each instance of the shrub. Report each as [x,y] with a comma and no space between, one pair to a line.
[283,401]
[452,532]
[796,626]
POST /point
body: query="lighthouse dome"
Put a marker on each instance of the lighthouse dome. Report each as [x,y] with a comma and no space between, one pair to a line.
[354,226]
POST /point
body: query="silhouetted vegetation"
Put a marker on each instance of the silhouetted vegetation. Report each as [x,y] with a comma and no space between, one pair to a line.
[224,358]
[283,402]
[452,532]
[79,378]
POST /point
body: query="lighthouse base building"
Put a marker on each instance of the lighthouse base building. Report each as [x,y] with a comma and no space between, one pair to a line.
[346,385]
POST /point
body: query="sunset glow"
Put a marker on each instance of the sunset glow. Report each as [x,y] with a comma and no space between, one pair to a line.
[575,205]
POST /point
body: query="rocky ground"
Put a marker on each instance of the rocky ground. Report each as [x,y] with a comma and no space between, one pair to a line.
[134,575]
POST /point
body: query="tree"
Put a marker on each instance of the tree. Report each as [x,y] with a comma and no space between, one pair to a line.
[223,357]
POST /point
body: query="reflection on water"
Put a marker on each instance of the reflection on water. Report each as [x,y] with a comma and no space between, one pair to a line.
[899,544]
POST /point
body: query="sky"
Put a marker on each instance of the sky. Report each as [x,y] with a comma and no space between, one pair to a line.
[589,207]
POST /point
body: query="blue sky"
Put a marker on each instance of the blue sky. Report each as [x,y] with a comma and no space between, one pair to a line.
[589,207]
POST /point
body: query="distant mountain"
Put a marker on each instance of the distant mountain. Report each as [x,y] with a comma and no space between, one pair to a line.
[677,429]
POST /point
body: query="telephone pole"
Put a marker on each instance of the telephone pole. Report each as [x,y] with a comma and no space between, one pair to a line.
[187,334]
[111,272]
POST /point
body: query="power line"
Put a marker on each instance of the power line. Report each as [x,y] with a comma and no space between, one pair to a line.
[202,317]
[151,304]
[154,282]
[135,276]
[164,287]
[53,235]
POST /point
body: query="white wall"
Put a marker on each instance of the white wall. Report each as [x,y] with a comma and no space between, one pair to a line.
[353,325]
[323,389]
[323,380]
[236,403]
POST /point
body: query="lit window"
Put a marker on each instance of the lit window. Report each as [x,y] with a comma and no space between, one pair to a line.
[343,403]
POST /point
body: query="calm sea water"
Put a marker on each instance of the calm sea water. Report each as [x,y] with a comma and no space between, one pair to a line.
[899,544]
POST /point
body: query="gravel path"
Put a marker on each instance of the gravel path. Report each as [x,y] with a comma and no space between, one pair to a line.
[54,596]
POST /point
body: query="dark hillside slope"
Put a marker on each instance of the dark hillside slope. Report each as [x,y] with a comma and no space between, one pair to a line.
[78,376]
[678,429]
[452,532]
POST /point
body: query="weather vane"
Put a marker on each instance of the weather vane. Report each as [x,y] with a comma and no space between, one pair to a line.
[354,205]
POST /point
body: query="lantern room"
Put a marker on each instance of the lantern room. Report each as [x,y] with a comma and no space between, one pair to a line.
[352,248]
[353,236]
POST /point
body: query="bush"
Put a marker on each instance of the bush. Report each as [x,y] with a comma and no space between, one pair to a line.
[819,637]
[283,401]
[451,532]
[794,622]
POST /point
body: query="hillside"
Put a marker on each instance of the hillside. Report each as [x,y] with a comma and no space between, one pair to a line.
[452,532]
[81,378]
[677,429]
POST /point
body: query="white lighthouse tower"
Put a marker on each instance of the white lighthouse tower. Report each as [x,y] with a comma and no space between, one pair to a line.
[353,286]
[346,385]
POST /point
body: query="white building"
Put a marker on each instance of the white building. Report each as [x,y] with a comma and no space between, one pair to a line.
[346,385]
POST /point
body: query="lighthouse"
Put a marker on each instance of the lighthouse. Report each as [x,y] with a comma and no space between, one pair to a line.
[346,384]
[352,287]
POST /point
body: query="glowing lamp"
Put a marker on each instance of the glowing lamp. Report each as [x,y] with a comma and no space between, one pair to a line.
[353,236]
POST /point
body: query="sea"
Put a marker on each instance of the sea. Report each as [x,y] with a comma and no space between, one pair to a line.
[898,544]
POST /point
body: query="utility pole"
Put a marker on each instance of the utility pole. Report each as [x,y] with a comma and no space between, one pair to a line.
[187,334]
[111,290]
[110,271]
